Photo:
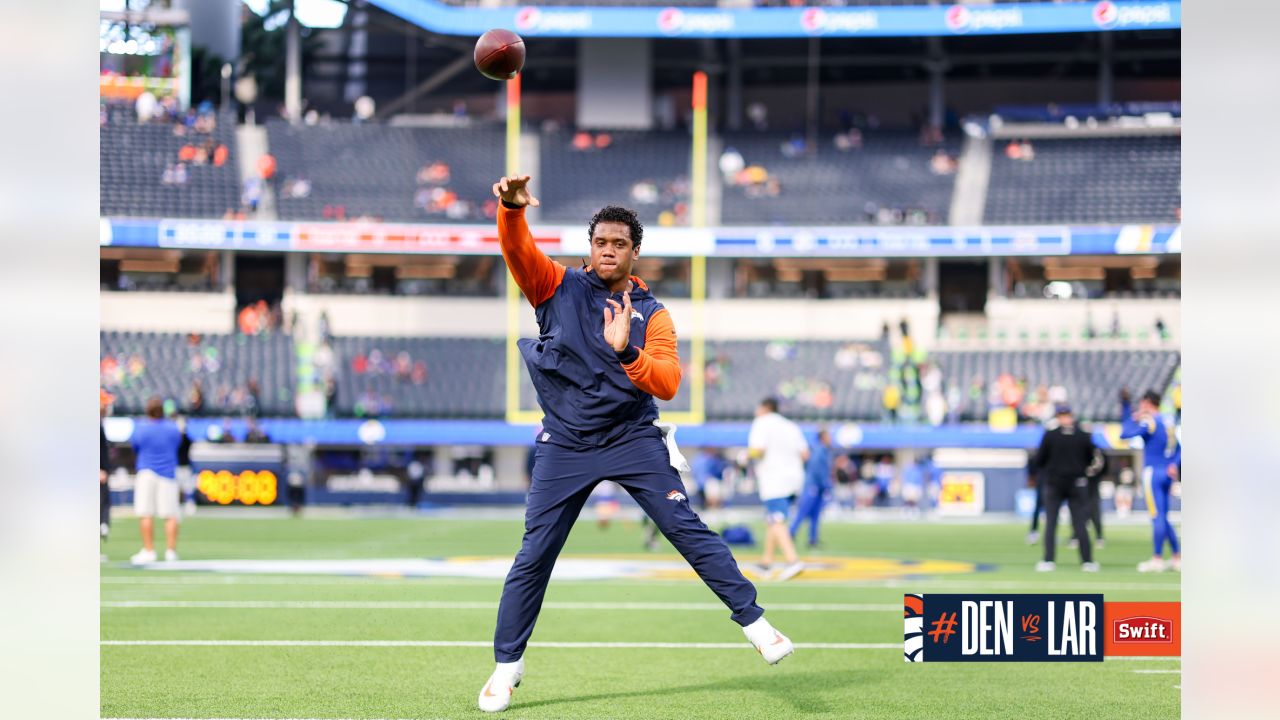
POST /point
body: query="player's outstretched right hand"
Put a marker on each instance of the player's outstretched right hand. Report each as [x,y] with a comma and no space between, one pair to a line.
[514,190]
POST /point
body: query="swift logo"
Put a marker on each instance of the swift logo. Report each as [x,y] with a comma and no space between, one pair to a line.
[1143,630]
[676,496]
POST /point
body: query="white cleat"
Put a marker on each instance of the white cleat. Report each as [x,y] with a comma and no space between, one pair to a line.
[790,571]
[1045,566]
[170,555]
[496,694]
[771,644]
[1090,567]
[1152,565]
[1033,537]
[1175,564]
[143,557]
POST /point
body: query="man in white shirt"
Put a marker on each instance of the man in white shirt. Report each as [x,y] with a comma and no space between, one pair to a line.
[780,450]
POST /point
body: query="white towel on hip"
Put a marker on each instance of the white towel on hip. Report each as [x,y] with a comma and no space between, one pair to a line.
[678,460]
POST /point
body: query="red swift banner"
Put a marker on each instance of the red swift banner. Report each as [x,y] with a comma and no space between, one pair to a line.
[1143,628]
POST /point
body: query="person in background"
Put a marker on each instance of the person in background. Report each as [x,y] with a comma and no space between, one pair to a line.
[846,474]
[915,480]
[155,494]
[1034,480]
[1096,469]
[1161,456]
[1065,458]
[416,474]
[707,469]
[254,432]
[780,450]
[884,476]
[817,486]
[185,478]
[104,467]
[892,400]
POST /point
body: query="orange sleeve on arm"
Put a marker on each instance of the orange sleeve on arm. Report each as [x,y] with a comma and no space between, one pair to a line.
[656,369]
[537,275]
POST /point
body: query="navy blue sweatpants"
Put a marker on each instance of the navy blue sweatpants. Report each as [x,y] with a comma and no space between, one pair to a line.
[562,480]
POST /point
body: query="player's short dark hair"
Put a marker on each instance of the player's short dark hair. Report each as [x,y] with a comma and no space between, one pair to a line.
[614,213]
[770,403]
[1152,397]
[155,408]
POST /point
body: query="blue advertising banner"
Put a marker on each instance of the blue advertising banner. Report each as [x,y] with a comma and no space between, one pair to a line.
[905,21]
[404,432]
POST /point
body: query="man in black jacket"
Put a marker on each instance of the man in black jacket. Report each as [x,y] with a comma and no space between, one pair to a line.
[1064,461]
[104,466]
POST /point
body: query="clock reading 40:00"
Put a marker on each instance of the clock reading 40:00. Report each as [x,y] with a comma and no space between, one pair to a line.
[249,486]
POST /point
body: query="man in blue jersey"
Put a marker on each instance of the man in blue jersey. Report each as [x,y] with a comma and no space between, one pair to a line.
[605,349]
[1161,456]
[817,485]
[155,493]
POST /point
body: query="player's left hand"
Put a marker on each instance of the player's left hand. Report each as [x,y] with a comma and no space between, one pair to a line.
[617,322]
[1173,471]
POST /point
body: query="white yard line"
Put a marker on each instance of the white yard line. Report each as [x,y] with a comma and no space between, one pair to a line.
[908,585]
[480,605]
[1158,672]
[484,644]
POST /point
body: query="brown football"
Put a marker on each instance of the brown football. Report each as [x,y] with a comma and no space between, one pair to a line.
[499,54]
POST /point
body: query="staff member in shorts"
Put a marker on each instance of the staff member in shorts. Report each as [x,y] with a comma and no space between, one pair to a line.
[156,493]
[780,450]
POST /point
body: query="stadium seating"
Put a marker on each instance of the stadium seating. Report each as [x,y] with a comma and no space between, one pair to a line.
[133,159]
[1102,180]
[169,366]
[891,170]
[372,169]
[577,183]
[1092,378]
[817,380]
[808,377]
[465,377]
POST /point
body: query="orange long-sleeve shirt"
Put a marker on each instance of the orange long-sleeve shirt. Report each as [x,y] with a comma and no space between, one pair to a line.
[655,369]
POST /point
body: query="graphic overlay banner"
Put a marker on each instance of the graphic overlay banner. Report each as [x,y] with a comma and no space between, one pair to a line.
[1003,628]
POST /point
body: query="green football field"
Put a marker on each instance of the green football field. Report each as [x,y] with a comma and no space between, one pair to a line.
[204,644]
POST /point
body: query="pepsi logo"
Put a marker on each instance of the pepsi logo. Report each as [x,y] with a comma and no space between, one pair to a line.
[1106,14]
[1142,629]
[958,18]
[670,20]
[531,19]
[527,18]
[813,19]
